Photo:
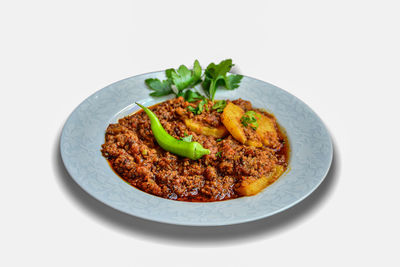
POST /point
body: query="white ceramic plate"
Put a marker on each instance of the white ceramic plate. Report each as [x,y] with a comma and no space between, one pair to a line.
[83,135]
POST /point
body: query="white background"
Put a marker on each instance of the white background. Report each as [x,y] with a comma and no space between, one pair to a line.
[340,57]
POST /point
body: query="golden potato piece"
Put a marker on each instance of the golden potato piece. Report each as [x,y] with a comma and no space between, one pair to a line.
[254,143]
[266,130]
[231,119]
[249,188]
[199,128]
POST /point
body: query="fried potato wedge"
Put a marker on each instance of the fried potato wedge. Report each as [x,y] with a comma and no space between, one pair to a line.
[231,119]
[249,188]
[266,130]
[199,128]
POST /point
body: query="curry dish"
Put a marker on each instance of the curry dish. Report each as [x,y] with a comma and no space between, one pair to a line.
[243,158]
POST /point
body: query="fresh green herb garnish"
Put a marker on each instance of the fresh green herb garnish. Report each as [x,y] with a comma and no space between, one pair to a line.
[218,154]
[159,88]
[219,105]
[250,119]
[219,140]
[183,78]
[200,107]
[192,96]
[232,81]
[187,138]
[216,75]
[192,109]
[179,80]
[205,104]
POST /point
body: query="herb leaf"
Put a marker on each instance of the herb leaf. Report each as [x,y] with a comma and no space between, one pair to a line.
[187,138]
[250,119]
[215,71]
[232,81]
[219,105]
[218,154]
[196,72]
[216,76]
[183,78]
[192,109]
[200,107]
[192,96]
[159,88]
[168,73]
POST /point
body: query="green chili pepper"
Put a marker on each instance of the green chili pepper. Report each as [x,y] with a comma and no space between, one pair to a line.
[192,150]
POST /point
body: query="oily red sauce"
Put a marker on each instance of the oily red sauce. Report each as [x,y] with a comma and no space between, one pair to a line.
[135,156]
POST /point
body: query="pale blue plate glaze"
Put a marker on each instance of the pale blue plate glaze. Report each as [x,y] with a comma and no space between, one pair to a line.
[83,135]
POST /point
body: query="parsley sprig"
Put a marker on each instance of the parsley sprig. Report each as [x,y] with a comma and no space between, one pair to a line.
[216,76]
[179,81]
[183,78]
[160,88]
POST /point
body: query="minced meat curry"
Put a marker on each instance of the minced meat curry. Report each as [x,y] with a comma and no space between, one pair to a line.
[248,151]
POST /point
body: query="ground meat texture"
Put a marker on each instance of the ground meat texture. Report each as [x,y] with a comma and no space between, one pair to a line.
[135,156]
